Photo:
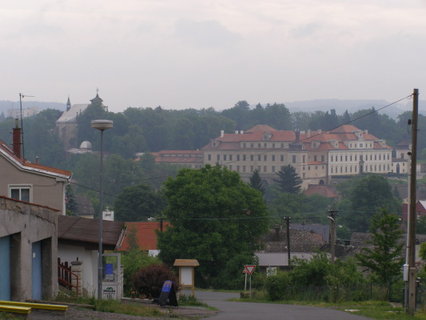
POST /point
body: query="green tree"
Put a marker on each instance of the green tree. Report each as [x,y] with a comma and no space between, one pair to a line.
[384,259]
[216,218]
[138,203]
[365,196]
[288,180]
[256,181]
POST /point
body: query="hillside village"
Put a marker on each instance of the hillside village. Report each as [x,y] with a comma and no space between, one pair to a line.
[35,194]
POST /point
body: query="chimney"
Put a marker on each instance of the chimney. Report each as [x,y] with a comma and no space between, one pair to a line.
[222,132]
[16,139]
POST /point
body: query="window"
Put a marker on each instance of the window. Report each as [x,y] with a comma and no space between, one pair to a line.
[244,157]
[209,157]
[20,192]
[224,157]
[322,158]
[304,158]
[282,157]
[259,157]
[238,168]
[244,168]
[230,157]
[218,157]
[273,157]
[265,157]
[315,158]
[294,158]
[251,157]
[265,169]
[238,157]
[273,168]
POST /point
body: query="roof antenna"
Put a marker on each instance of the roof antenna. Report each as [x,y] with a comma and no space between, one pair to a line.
[21,96]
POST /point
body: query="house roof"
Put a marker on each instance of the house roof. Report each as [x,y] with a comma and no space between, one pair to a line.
[144,233]
[322,190]
[186,263]
[83,230]
[25,165]
[280,259]
[72,113]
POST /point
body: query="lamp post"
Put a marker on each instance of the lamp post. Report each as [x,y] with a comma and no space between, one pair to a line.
[101,125]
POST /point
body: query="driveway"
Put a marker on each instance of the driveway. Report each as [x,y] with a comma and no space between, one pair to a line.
[265,311]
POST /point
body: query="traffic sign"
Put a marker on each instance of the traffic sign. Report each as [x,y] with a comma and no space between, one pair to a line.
[249,269]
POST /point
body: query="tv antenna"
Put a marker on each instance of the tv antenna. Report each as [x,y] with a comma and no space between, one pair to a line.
[21,96]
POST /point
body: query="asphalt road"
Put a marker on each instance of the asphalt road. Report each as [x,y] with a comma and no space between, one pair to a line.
[265,311]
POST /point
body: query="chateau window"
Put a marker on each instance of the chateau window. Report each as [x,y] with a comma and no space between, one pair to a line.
[265,169]
[331,158]
[341,158]
[282,157]
[346,158]
[251,157]
[265,157]
[360,145]
[259,145]
[224,157]
[259,157]
[20,192]
[209,157]
[244,157]
[303,158]
[251,145]
[273,157]
[273,145]
[238,168]
[230,157]
[322,158]
[244,145]
[315,158]
[273,168]
[238,157]
[244,168]
[265,145]
[294,158]
[218,157]
[331,169]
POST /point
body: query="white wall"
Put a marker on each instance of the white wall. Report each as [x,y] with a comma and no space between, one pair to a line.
[89,258]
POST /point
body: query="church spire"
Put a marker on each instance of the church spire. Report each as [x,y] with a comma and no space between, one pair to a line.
[68,104]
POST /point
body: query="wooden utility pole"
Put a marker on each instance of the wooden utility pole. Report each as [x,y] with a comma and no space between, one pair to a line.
[287,221]
[332,214]
[411,232]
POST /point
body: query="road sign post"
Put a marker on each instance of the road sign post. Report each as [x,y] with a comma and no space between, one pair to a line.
[248,270]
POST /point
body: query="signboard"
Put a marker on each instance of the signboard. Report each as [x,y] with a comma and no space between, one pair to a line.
[109,292]
[249,269]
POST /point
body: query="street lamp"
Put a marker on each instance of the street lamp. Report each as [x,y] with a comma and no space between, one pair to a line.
[101,125]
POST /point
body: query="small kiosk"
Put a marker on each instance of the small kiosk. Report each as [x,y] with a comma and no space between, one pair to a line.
[186,273]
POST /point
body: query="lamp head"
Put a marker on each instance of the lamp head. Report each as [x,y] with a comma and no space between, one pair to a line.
[102,125]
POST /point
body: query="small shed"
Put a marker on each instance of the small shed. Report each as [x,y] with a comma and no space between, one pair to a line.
[186,273]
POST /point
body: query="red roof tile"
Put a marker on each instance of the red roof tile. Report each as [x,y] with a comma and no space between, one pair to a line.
[145,234]
[27,165]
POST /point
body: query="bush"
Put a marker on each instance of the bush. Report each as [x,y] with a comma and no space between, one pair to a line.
[276,286]
[133,261]
[149,280]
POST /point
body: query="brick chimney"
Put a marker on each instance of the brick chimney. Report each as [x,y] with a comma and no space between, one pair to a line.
[16,143]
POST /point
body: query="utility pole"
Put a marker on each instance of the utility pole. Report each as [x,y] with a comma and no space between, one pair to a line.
[411,232]
[287,221]
[332,214]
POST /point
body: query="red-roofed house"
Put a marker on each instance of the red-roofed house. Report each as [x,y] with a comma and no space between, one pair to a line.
[31,198]
[143,235]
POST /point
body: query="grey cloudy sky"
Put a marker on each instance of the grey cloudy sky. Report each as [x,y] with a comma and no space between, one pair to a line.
[211,53]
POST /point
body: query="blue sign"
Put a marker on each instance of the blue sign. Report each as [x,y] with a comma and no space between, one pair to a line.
[167,286]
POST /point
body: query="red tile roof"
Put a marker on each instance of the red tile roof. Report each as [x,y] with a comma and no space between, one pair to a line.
[24,164]
[322,190]
[145,234]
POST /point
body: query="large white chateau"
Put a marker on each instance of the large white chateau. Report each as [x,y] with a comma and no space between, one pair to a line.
[317,156]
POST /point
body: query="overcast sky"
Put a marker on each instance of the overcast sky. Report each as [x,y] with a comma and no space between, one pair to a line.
[211,53]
